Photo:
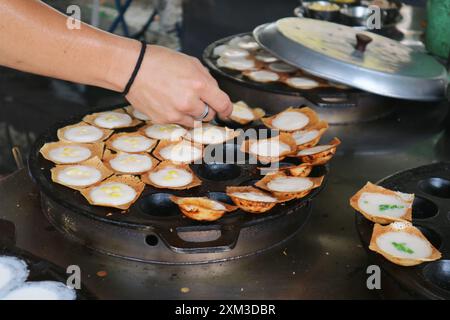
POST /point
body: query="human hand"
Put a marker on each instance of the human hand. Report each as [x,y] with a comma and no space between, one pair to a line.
[172,87]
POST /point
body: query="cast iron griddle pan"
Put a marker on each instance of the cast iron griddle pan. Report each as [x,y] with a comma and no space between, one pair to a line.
[431,214]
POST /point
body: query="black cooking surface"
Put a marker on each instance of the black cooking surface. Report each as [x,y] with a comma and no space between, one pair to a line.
[325,260]
[215,176]
[431,213]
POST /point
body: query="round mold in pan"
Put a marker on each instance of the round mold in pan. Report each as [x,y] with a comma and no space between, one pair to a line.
[151,229]
[428,280]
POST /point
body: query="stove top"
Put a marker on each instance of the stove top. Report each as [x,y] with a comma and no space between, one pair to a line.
[324,261]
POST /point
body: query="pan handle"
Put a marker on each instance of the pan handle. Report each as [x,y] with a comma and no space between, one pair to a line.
[225,242]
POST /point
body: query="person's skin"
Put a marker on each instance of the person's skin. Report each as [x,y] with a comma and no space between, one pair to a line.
[170,87]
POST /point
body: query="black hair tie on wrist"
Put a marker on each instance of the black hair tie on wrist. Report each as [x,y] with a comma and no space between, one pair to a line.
[136,68]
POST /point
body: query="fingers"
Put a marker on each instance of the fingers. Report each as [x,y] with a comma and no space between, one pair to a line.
[197,110]
[217,100]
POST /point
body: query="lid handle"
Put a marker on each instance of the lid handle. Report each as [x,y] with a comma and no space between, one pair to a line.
[362,41]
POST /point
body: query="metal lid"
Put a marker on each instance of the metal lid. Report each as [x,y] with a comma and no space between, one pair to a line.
[357,58]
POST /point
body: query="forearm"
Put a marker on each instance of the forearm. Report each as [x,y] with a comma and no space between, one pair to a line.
[35,38]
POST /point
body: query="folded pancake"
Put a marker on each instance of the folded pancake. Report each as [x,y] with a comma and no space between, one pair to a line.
[116,192]
[402,244]
[266,57]
[168,175]
[202,208]
[382,205]
[292,119]
[137,114]
[211,134]
[251,199]
[82,175]
[263,76]
[115,119]
[132,142]
[246,42]
[182,151]
[304,83]
[318,155]
[129,163]
[171,132]
[271,149]
[83,133]
[309,137]
[243,114]
[286,188]
[239,64]
[70,153]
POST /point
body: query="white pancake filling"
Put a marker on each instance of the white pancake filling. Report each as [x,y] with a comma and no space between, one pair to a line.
[263,76]
[302,137]
[239,64]
[132,143]
[281,67]
[242,111]
[112,193]
[269,148]
[404,245]
[290,120]
[69,154]
[13,272]
[181,152]
[208,134]
[379,205]
[266,57]
[79,176]
[314,150]
[171,177]
[219,49]
[83,134]
[290,184]
[254,196]
[111,120]
[234,53]
[302,83]
[131,163]
[170,132]
[42,290]
[212,205]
